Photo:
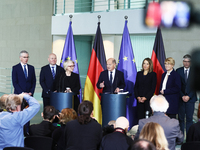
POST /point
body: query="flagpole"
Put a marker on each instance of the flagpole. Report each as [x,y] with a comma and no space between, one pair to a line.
[99,17]
[70,16]
[125,17]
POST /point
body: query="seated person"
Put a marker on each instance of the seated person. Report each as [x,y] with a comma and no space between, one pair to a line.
[109,128]
[66,115]
[154,133]
[83,133]
[3,102]
[194,132]
[45,128]
[118,139]
[142,144]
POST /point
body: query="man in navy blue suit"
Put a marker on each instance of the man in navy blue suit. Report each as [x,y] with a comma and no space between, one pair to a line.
[111,80]
[188,96]
[24,81]
[47,78]
[23,76]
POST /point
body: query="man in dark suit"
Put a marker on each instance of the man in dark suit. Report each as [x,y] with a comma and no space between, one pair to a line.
[188,96]
[47,78]
[111,80]
[111,141]
[45,128]
[171,127]
[23,79]
[23,76]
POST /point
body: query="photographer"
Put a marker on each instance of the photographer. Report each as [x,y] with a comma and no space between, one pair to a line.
[45,128]
[13,120]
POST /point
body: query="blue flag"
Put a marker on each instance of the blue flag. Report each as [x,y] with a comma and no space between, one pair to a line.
[127,66]
[69,53]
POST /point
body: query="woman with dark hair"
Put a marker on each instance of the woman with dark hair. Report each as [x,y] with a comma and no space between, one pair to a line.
[66,115]
[193,133]
[84,133]
[144,88]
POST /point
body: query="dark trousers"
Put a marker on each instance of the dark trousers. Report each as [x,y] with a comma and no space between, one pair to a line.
[142,108]
[46,101]
[185,109]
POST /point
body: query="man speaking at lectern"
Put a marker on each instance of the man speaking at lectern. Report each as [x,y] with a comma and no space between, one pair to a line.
[111,80]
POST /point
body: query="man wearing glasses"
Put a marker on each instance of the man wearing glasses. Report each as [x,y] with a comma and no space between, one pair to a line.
[24,81]
[187,95]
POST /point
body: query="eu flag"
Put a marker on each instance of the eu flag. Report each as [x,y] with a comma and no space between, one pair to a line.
[69,53]
[127,66]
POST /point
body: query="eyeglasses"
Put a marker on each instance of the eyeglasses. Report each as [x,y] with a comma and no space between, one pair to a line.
[72,66]
[186,61]
[25,57]
[167,64]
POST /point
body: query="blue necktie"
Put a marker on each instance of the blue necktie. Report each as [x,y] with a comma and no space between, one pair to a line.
[111,78]
[25,72]
[186,76]
[53,73]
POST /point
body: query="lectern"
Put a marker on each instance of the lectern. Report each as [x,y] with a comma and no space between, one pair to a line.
[62,100]
[113,106]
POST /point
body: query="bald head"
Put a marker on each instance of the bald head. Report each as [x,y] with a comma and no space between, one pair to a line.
[111,64]
[159,103]
[122,122]
[52,59]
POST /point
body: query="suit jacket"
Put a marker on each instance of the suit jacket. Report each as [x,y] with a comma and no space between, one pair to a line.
[145,86]
[118,81]
[20,83]
[171,128]
[185,87]
[116,141]
[172,91]
[193,133]
[45,128]
[46,79]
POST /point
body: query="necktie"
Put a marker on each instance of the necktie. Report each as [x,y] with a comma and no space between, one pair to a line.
[186,76]
[25,71]
[53,73]
[111,78]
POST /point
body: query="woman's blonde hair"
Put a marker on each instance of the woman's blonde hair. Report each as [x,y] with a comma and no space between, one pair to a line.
[67,114]
[170,60]
[150,64]
[66,63]
[154,133]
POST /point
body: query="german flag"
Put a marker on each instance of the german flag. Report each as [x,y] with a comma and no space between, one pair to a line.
[96,66]
[158,58]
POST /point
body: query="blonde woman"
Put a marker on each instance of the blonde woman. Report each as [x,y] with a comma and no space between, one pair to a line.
[154,133]
[170,87]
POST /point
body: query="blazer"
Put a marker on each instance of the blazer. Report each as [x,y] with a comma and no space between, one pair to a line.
[193,133]
[185,87]
[118,81]
[20,83]
[46,79]
[171,128]
[172,91]
[45,128]
[145,86]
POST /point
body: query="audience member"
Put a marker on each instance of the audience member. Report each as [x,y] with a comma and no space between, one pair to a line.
[131,133]
[188,96]
[45,128]
[110,128]
[194,132]
[170,87]
[3,102]
[118,139]
[154,133]
[84,133]
[66,115]
[171,127]
[13,120]
[142,144]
